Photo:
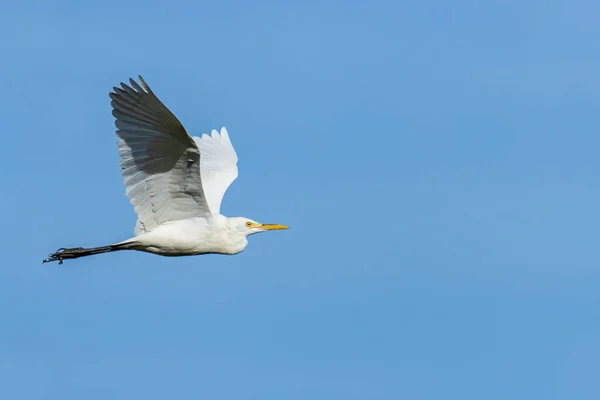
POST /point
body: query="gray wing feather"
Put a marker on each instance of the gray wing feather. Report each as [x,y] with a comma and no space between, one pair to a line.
[159,159]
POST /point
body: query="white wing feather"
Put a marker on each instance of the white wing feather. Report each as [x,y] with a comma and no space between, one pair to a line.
[159,159]
[218,166]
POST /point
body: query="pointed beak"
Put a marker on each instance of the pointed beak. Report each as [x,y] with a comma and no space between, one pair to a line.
[273,227]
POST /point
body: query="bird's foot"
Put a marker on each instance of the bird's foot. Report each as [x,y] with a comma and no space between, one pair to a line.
[63,254]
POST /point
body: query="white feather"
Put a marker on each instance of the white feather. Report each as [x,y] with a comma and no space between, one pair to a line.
[218,166]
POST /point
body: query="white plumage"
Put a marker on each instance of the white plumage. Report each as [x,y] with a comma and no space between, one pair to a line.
[174,181]
[218,166]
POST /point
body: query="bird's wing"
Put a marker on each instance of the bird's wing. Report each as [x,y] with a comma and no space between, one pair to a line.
[159,159]
[218,166]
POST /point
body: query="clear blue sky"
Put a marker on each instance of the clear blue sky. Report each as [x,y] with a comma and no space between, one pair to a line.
[437,162]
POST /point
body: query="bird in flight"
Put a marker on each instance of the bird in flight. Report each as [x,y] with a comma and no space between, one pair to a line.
[175,182]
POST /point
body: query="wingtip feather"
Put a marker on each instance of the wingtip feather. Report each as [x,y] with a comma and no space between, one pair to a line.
[224,133]
[144,84]
[136,86]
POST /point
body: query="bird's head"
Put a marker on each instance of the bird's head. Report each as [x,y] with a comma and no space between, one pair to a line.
[249,227]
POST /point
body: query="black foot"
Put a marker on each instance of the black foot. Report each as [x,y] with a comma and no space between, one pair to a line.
[63,254]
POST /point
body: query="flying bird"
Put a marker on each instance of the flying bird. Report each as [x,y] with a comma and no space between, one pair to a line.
[175,182]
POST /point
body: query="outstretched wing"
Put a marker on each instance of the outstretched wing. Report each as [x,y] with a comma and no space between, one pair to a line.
[218,166]
[159,159]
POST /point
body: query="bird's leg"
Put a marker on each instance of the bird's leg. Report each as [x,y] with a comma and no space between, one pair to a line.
[64,253]
[76,252]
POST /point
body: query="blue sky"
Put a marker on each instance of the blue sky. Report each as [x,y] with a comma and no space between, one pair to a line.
[437,163]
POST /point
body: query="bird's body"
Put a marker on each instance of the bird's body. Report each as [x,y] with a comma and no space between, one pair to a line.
[192,237]
[174,181]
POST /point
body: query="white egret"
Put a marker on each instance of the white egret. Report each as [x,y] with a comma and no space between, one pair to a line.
[174,181]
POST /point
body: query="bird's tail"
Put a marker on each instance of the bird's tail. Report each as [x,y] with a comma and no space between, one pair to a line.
[76,252]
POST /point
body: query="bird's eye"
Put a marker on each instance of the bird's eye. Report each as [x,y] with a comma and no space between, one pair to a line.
[248,224]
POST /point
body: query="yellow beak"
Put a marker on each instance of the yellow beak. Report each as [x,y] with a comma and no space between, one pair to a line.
[273,227]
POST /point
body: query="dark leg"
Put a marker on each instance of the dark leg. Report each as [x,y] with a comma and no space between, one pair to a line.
[76,252]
